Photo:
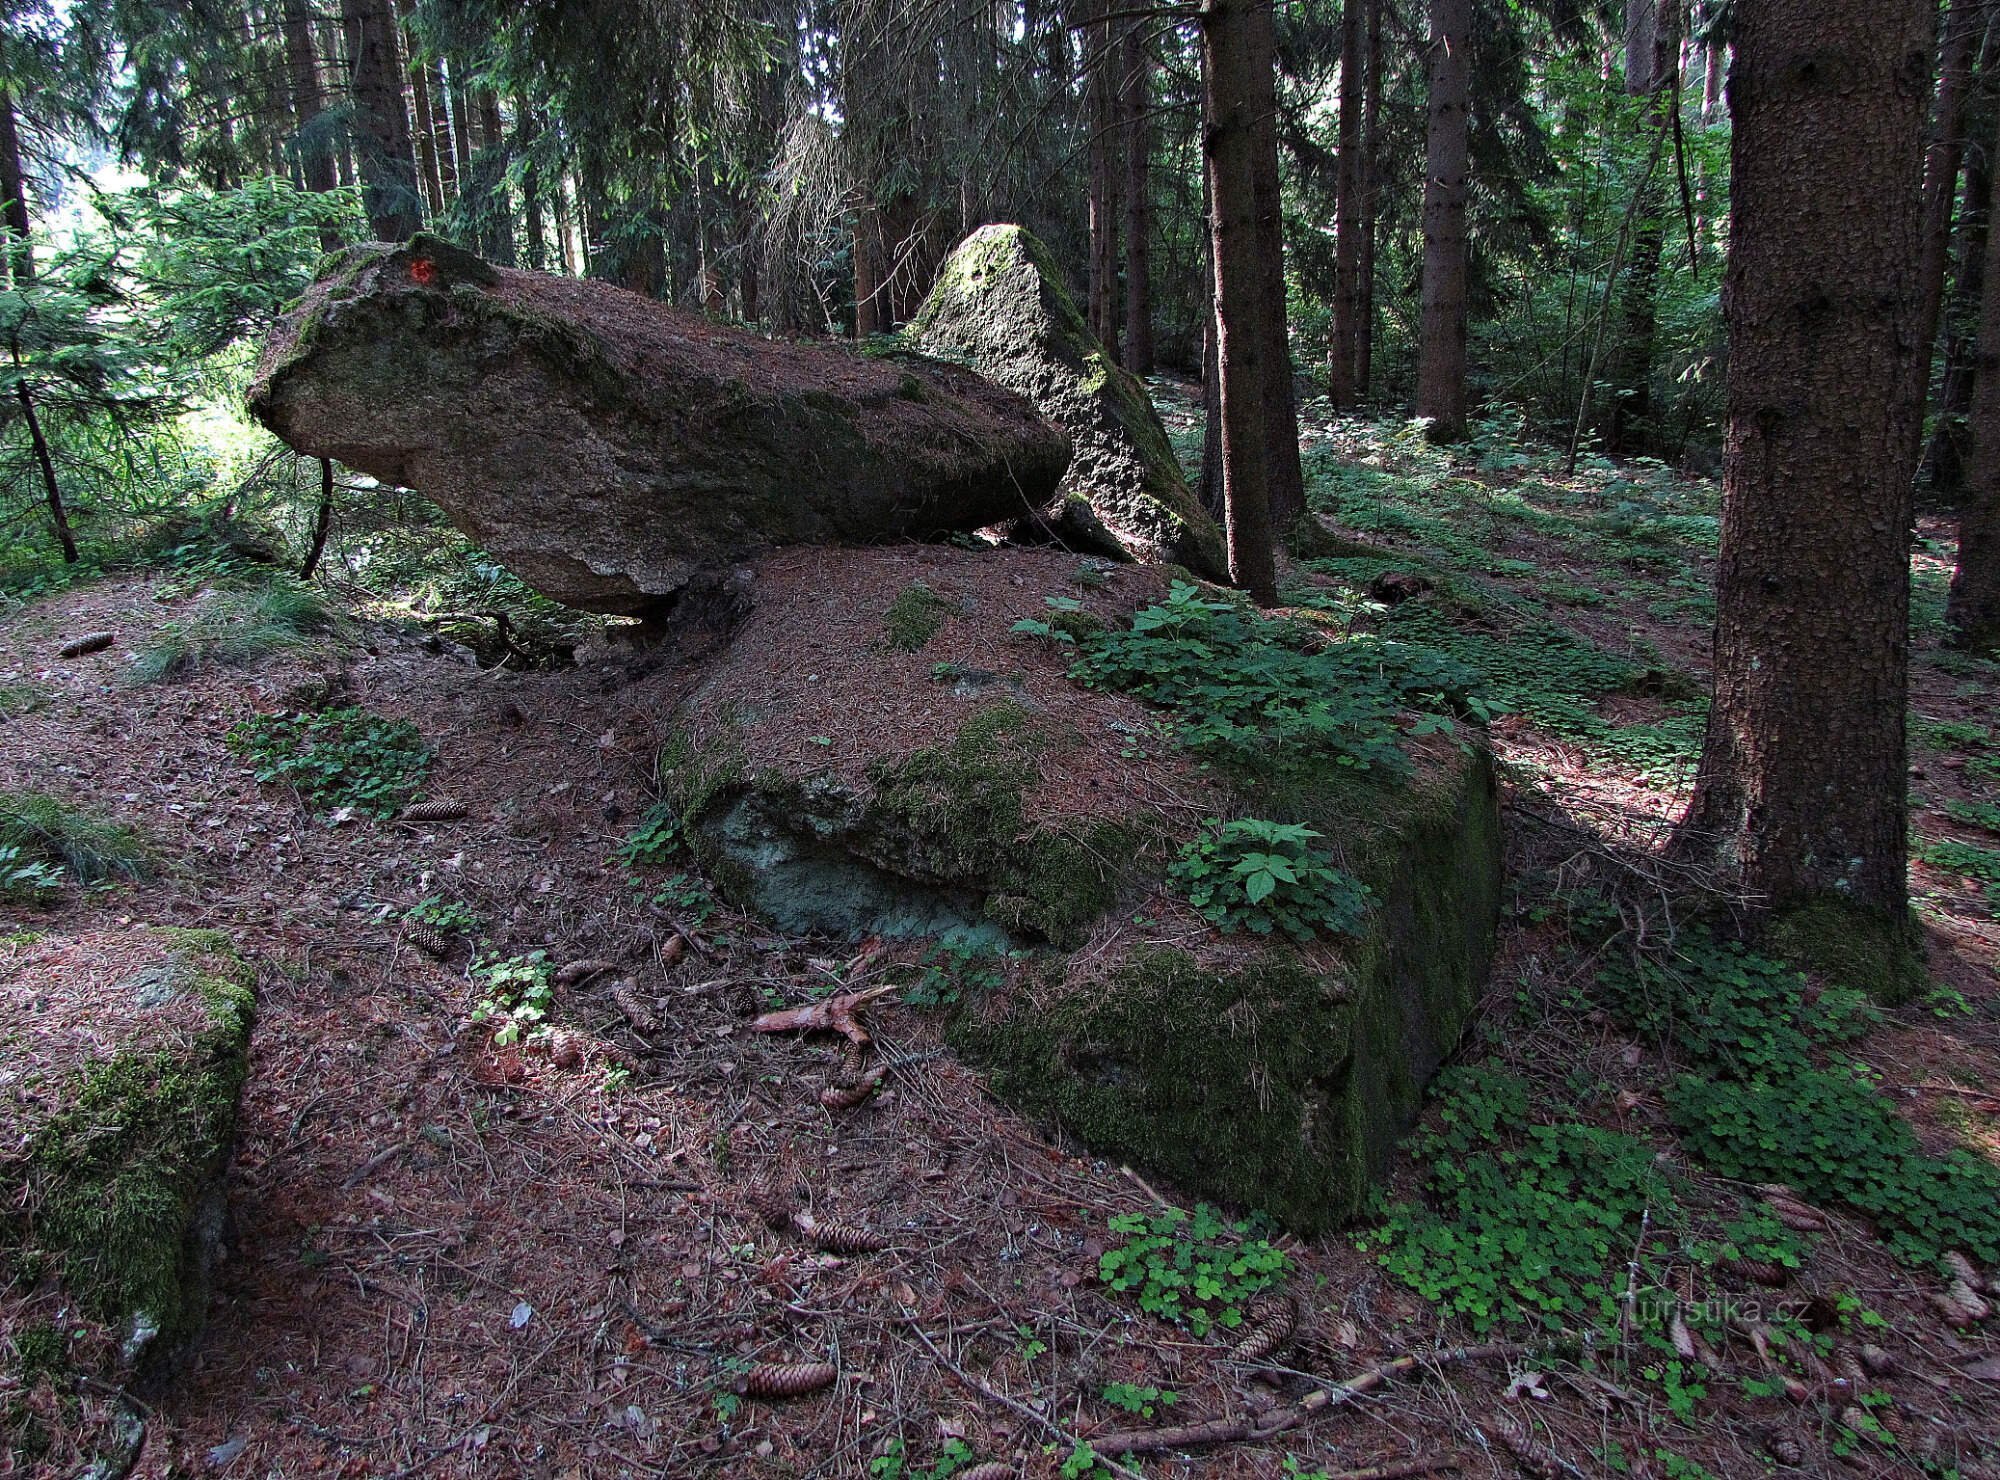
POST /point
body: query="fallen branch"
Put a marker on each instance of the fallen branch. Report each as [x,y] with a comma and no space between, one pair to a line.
[834,1015]
[1327,1394]
[1018,1408]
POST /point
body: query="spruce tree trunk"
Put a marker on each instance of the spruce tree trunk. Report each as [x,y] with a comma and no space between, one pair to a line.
[1105,171]
[1652,52]
[1348,215]
[1973,610]
[1441,352]
[1961,351]
[531,186]
[388,168]
[1801,788]
[1239,100]
[316,166]
[1138,97]
[438,128]
[1286,482]
[426,142]
[1942,159]
[20,259]
[1371,157]
[497,240]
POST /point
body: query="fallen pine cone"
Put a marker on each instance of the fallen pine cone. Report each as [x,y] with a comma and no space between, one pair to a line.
[1534,1457]
[785,1379]
[1760,1271]
[1786,1450]
[441,810]
[90,642]
[993,1469]
[625,993]
[566,1049]
[1962,1305]
[1877,1360]
[839,1238]
[1268,1334]
[573,972]
[772,1206]
[1961,1268]
[848,1096]
[1794,1214]
[430,942]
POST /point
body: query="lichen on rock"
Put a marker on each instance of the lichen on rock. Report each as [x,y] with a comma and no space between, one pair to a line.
[1000,306]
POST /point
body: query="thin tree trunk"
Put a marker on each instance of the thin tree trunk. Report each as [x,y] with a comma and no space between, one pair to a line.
[1715,70]
[315,154]
[869,294]
[531,186]
[1802,784]
[1208,489]
[1942,158]
[1105,171]
[1348,216]
[1138,96]
[420,114]
[322,521]
[1441,354]
[388,167]
[1652,52]
[1281,410]
[1239,96]
[1972,612]
[497,240]
[1371,206]
[20,255]
[438,129]
[461,126]
[1961,354]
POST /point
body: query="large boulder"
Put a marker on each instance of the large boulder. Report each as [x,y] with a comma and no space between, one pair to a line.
[1001,307]
[883,752]
[122,1053]
[610,449]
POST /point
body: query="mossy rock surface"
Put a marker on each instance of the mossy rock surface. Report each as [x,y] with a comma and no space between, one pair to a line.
[1000,306]
[122,1057]
[842,785]
[1272,1076]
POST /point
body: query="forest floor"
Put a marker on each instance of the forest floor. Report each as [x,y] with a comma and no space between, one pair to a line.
[452,1258]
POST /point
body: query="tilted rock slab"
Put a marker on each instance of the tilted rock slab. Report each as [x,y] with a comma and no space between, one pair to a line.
[610,449]
[1001,307]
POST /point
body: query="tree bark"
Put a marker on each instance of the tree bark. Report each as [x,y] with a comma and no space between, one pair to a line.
[1240,97]
[497,240]
[1285,479]
[388,168]
[438,128]
[20,257]
[315,154]
[1343,348]
[420,112]
[1138,96]
[1961,352]
[20,254]
[322,521]
[1942,159]
[1102,118]
[1802,783]
[531,186]
[1972,612]
[1652,53]
[1371,156]
[1441,353]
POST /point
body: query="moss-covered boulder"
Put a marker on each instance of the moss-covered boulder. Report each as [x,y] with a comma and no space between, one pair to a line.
[122,1054]
[1000,306]
[845,771]
[613,451]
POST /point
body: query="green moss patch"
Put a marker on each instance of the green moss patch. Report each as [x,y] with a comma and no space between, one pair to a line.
[914,617]
[118,1184]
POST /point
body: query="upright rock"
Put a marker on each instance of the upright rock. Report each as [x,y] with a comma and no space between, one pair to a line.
[1000,306]
[608,448]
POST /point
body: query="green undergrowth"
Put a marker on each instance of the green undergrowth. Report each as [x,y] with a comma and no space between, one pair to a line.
[1534,1213]
[340,758]
[46,842]
[1762,1092]
[1270,695]
[232,628]
[1262,876]
[1968,860]
[1197,1270]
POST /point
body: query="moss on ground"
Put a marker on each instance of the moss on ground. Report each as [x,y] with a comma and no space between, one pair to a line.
[115,1181]
[1867,950]
[914,617]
